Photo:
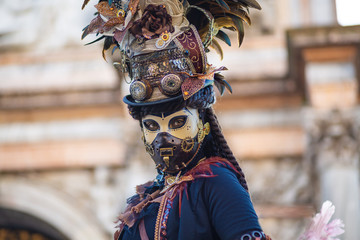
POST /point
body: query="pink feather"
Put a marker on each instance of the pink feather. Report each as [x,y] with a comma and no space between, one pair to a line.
[320,227]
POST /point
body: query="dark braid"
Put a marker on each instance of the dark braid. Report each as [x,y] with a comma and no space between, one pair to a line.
[223,148]
[201,100]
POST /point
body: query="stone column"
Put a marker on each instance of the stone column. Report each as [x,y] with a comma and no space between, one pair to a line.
[334,149]
[333,132]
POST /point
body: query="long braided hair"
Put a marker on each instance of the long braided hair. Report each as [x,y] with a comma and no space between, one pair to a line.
[202,101]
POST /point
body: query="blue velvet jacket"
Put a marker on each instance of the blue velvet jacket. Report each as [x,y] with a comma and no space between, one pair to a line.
[206,203]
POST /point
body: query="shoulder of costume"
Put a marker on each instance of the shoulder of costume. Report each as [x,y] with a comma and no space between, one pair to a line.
[211,166]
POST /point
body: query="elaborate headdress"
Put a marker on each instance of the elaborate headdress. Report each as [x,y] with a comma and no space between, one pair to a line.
[163,43]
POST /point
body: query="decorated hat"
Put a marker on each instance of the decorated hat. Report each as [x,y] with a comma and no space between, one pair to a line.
[162,44]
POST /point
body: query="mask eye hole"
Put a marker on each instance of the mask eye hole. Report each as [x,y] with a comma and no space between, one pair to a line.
[177,122]
[151,125]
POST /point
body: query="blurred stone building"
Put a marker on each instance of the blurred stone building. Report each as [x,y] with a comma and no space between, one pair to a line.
[70,155]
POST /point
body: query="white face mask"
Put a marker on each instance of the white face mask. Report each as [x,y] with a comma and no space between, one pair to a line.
[173,140]
[180,124]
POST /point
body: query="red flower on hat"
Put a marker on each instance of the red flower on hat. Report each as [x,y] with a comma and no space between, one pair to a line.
[153,23]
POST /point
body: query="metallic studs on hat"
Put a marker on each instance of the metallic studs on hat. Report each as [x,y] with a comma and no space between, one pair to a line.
[153,69]
[163,40]
[120,13]
[165,36]
[186,52]
[160,43]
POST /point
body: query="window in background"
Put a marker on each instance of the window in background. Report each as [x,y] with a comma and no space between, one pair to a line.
[348,12]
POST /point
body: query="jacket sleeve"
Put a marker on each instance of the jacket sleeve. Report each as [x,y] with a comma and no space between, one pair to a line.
[229,206]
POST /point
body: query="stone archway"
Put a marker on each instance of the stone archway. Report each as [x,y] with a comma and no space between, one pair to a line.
[51,206]
[15,225]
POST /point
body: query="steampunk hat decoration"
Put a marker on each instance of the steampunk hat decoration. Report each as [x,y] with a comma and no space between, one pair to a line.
[163,43]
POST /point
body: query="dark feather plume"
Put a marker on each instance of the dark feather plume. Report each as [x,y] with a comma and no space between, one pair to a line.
[239,25]
[85,3]
[229,14]
[223,36]
[223,4]
[250,3]
[96,40]
[221,83]
[108,43]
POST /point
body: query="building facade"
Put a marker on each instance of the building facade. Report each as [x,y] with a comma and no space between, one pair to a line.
[70,154]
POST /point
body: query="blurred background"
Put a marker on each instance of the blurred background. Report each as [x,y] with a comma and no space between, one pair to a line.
[70,154]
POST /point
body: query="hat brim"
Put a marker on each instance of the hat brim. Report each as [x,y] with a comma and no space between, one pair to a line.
[128,99]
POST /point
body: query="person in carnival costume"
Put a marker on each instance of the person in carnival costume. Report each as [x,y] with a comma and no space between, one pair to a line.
[200,191]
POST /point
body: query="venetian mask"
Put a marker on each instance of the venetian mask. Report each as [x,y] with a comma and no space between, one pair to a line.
[173,139]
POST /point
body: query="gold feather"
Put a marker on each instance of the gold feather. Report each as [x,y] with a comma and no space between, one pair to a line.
[85,3]
[241,13]
[225,22]
[216,46]
[251,3]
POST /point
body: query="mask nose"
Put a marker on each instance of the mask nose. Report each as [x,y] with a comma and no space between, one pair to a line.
[162,139]
[163,147]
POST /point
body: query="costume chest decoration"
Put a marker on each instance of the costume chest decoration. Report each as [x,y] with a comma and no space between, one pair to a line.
[175,189]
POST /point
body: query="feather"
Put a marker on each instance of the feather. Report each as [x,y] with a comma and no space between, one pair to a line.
[96,40]
[223,36]
[109,41]
[95,25]
[251,3]
[229,14]
[180,191]
[240,29]
[228,87]
[223,4]
[119,35]
[241,14]
[237,12]
[224,22]
[216,46]
[321,227]
[114,49]
[85,32]
[110,2]
[220,88]
[85,3]
[112,23]
[221,83]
